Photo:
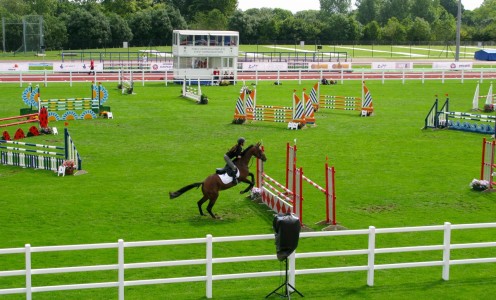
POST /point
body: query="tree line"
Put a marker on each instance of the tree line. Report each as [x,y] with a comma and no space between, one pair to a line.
[91,24]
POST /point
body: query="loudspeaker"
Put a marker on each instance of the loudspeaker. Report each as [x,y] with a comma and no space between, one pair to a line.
[287,234]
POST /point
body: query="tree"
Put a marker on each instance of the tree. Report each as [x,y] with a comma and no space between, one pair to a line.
[372,32]
[339,27]
[451,6]
[393,31]
[213,20]
[87,29]
[120,7]
[368,10]
[420,30]
[244,24]
[335,6]
[119,29]
[190,8]
[444,28]
[265,27]
[425,9]
[55,33]
[399,9]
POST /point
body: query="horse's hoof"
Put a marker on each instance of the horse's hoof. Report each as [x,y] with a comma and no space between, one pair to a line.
[172,195]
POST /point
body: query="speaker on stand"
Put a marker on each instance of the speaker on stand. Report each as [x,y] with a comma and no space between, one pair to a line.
[287,233]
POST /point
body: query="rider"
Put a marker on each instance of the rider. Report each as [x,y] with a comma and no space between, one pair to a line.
[231,155]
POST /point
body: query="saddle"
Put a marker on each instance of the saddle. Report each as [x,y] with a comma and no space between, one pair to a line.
[225,170]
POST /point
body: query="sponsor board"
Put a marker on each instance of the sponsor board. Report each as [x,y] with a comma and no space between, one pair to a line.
[329,66]
[265,66]
[14,66]
[161,66]
[76,67]
[452,65]
[392,65]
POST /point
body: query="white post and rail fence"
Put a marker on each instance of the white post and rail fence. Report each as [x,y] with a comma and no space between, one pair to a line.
[444,262]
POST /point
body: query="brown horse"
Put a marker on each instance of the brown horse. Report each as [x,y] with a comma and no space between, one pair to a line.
[213,184]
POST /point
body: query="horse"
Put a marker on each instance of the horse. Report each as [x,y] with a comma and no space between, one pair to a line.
[213,184]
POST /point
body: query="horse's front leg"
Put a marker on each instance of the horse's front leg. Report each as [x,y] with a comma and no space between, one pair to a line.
[251,183]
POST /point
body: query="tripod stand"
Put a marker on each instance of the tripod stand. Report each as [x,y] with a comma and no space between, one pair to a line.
[285,286]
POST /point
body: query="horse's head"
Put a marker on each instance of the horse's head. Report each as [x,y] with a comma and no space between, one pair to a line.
[258,152]
[253,150]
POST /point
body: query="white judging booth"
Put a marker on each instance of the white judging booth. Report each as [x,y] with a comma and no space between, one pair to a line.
[206,55]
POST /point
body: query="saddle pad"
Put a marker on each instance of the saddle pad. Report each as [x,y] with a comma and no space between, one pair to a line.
[226,178]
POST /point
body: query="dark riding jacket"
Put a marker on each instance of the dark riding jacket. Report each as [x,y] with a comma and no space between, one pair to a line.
[235,151]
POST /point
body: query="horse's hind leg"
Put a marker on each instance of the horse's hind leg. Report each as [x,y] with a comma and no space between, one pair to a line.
[200,203]
[211,204]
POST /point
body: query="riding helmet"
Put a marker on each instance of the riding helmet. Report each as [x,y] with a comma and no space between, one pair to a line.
[241,140]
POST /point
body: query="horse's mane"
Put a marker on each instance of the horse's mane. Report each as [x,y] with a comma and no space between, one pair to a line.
[246,150]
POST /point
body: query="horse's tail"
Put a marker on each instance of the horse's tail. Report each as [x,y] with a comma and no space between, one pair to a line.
[181,191]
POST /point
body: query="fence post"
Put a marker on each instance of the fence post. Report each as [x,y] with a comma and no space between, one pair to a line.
[29,293]
[371,257]
[299,76]
[446,250]
[120,275]
[292,269]
[209,266]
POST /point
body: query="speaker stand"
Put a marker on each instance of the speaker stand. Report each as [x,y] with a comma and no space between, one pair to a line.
[285,286]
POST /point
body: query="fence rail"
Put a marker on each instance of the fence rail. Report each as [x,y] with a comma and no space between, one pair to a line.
[167,77]
[120,283]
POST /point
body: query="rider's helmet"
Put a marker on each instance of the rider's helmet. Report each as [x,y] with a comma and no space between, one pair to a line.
[241,141]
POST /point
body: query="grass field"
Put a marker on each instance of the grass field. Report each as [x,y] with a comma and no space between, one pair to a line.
[389,173]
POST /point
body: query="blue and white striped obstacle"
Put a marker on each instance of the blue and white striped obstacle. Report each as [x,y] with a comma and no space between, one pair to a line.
[37,156]
[443,118]
[295,116]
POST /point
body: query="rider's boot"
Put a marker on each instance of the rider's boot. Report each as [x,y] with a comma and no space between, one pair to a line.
[220,171]
[232,173]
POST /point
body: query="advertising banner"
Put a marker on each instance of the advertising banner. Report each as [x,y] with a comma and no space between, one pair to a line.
[161,66]
[392,65]
[452,65]
[329,66]
[14,66]
[265,66]
[76,67]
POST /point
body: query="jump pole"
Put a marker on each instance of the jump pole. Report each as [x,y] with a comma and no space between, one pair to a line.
[487,165]
[329,191]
